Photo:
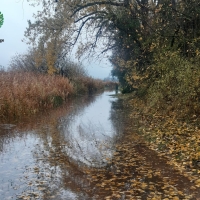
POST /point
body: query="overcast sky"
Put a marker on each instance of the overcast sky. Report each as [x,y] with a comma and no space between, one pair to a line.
[16,13]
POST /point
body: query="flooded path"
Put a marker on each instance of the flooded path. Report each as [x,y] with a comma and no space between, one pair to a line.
[44,158]
[87,150]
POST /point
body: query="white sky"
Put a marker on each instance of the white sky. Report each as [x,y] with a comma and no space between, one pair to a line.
[16,13]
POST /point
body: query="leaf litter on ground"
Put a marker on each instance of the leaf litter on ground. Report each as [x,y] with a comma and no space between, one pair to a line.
[156,158]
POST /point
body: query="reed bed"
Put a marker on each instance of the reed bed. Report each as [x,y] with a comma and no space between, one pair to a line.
[90,85]
[25,93]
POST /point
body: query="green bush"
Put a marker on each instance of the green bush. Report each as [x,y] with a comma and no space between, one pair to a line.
[174,84]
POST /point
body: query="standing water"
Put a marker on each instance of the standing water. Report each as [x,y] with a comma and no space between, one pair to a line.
[45,159]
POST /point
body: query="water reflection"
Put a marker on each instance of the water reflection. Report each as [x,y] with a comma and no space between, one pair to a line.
[91,133]
[48,157]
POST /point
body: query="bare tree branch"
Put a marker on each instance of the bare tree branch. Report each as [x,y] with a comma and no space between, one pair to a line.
[81,7]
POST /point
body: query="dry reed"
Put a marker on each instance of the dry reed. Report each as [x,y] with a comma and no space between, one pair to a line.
[25,93]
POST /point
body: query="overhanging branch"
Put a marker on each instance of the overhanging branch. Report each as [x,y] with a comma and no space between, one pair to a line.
[81,7]
[93,13]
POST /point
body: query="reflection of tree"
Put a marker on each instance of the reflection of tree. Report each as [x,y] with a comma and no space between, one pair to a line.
[5,132]
[118,116]
[59,172]
[54,171]
[8,130]
[89,145]
[52,158]
[65,174]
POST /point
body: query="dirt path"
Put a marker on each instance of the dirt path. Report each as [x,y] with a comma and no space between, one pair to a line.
[138,172]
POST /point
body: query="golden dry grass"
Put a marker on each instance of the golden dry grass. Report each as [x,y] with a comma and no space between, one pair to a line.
[27,93]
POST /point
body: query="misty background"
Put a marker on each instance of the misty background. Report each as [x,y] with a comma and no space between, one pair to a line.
[16,14]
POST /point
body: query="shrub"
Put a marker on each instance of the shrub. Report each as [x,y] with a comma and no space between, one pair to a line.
[87,85]
[175,84]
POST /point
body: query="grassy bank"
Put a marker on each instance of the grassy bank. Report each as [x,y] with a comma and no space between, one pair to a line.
[25,93]
[168,134]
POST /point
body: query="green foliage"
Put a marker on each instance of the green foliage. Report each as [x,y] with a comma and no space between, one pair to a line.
[174,84]
[1,19]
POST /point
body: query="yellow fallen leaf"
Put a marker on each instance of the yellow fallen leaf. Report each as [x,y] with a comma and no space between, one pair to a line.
[144,185]
[197,181]
[175,198]
[193,188]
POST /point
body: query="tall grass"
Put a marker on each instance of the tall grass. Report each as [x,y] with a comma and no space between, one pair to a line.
[25,93]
